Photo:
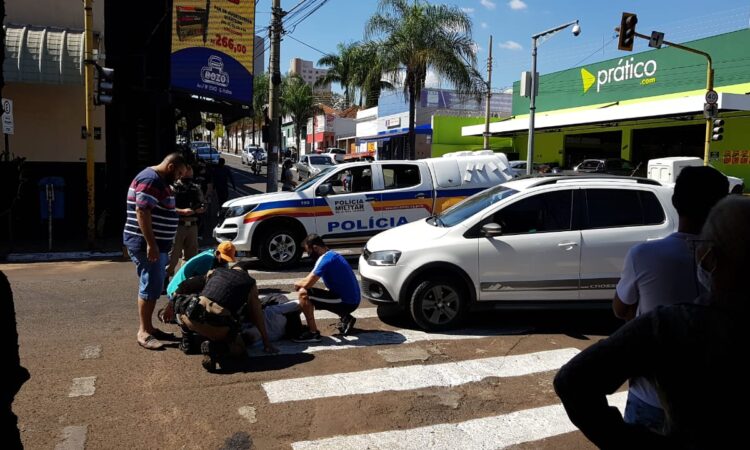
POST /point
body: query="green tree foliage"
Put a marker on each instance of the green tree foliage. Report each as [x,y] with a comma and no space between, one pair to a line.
[414,37]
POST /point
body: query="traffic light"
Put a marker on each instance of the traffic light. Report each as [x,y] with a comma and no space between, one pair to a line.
[627,32]
[717,133]
[104,85]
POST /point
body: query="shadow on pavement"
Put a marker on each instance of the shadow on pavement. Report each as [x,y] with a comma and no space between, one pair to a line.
[575,323]
[272,362]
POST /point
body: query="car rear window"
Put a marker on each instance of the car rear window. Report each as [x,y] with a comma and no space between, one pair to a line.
[608,208]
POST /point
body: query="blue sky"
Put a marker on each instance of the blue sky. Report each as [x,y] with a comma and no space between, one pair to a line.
[512,22]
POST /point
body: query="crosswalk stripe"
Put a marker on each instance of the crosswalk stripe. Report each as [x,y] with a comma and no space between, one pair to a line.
[415,377]
[480,434]
[359,313]
[373,338]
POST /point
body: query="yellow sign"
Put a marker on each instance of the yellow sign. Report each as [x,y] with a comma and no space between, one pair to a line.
[588,79]
[212,48]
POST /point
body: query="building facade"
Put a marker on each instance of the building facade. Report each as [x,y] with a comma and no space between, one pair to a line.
[43,72]
[640,107]
[309,73]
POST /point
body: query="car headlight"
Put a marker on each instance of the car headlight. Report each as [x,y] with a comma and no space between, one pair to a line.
[236,211]
[384,258]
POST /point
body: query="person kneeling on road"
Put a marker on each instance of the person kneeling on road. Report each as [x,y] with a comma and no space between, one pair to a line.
[229,296]
[342,296]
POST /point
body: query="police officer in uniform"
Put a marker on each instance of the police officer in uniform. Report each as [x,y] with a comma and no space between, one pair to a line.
[190,203]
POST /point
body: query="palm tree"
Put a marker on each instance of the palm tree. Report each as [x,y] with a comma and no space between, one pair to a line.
[416,37]
[340,69]
[367,73]
[260,99]
[297,101]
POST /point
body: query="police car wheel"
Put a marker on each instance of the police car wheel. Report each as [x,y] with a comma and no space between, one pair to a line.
[280,249]
[438,304]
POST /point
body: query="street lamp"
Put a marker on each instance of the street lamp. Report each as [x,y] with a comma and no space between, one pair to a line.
[532,103]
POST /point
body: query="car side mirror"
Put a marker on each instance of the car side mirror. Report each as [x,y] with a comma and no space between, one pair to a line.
[324,189]
[492,230]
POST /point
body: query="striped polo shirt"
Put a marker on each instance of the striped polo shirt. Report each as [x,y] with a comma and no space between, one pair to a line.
[149,191]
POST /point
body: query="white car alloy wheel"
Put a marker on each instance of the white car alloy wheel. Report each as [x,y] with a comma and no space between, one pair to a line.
[438,305]
[282,248]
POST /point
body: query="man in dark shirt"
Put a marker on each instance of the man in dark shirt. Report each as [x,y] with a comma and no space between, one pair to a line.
[222,175]
[233,290]
[693,354]
[190,205]
[148,234]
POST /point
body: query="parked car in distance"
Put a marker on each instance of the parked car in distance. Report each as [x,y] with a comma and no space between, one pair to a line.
[518,167]
[338,153]
[249,152]
[529,242]
[208,154]
[666,171]
[310,165]
[611,166]
[196,144]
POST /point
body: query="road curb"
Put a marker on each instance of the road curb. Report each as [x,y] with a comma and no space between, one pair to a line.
[60,256]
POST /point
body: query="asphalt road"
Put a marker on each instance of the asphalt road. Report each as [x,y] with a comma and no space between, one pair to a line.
[388,385]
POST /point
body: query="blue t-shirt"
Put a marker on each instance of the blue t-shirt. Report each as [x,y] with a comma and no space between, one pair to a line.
[199,264]
[338,277]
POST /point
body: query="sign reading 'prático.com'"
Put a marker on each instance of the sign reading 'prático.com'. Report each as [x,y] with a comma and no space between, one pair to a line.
[212,48]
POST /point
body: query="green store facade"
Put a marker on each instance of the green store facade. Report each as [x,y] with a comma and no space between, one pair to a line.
[639,107]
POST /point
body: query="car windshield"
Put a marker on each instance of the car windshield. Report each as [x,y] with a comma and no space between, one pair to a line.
[312,180]
[472,205]
[589,165]
[321,161]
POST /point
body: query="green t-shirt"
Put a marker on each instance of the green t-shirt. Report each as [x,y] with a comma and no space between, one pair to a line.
[199,264]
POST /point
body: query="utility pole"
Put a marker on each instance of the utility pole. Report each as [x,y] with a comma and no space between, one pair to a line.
[89,83]
[489,98]
[273,98]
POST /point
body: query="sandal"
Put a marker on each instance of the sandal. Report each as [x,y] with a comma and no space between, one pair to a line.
[151,343]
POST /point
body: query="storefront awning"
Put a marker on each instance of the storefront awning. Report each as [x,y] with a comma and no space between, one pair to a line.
[386,135]
[632,111]
[43,55]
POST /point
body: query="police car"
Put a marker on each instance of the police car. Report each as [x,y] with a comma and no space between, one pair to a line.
[351,202]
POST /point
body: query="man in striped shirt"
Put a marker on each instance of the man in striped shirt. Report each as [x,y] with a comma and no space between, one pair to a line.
[149,231]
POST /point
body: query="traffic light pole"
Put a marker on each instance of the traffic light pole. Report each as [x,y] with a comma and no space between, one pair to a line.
[272,184]
[89,90]
[709,87]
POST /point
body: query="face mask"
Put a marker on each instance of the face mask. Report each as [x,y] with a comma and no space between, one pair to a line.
[705,278]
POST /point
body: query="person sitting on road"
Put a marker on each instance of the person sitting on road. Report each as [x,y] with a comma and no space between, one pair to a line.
[342,296]
[692,352]
[229,297]
[197,266]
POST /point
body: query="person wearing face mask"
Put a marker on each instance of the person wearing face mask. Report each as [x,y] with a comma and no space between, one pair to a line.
[692,353]
[190,204]
[342,296]
[662,272]
[148,235]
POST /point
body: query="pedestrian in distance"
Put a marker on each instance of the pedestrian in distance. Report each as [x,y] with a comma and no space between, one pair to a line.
[287,178]
[190,204]
[222,176]
[198,266]
[663,272]
[148,234]
[342,296]
[693,353]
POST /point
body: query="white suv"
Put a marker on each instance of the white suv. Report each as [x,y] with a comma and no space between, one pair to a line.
[550,239]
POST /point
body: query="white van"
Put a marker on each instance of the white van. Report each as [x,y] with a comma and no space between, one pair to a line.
[666,170]
[349,203]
